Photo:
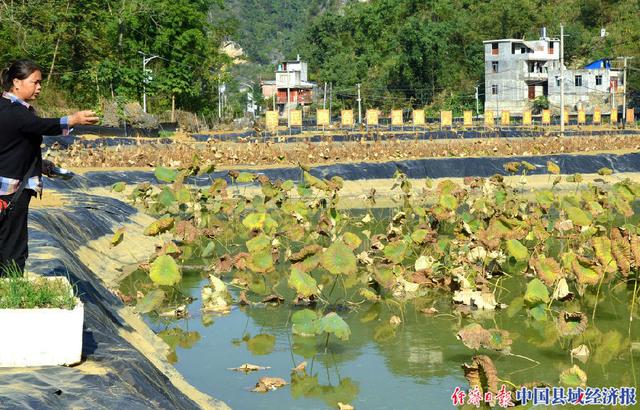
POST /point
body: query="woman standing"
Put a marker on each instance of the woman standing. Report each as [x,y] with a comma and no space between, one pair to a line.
[21,132]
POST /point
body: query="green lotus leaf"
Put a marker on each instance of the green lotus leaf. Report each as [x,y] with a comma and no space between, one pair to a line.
[352,240]
[545,198]
[254,220]
[539,312]
[118,186]
[517,250]
[150,301]
[339,259]
[334,324]
[258,243]
[602,248]
[261,344]
[395,251]
[573,377]
[315,182]
[165,174]
[385,277]
[586,274]
[288,185]
[245,177]
[548,269]
[536,292]
[305,323]
[553,168]
[261,262]
[209,249]
[448,201]
[117,237]
[183,195]
[622,206]
[578,216]
[159,226]
[165,271]
[166,197]
[303,283]
[419,235]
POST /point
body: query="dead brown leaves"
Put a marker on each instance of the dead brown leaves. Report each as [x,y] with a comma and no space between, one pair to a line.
[482,373]
[267,384]
[180,153]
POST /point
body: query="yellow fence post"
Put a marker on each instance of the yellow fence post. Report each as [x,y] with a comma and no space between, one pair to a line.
[468,118]
[396,118]
[488,118]
[614,116]
[346,118]
[322,117]
[582,117]
[372,117]
[271,119]
[446,118]
[597,116]
[526,117]
[418,117]
[630,116]
[546,117]
[565,117]
[505,118]
[296,118]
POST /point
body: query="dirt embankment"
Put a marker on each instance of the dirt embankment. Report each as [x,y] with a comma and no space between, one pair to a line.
[229,154]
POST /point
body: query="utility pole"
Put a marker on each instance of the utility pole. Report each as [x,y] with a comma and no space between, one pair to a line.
[477,104]
[324,97]
[561,80]
[288,103]
[624,95]
[359,106]
[330,98]
[145,60]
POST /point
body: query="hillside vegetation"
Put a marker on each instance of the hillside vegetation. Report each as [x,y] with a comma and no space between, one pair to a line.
[405,53]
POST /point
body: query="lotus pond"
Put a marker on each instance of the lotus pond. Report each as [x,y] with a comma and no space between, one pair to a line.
[480,284]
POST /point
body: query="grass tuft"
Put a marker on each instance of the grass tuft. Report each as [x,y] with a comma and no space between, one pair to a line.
[18,292]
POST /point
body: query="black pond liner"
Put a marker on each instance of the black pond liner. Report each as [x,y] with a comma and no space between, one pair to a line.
[419,168]
[132,381]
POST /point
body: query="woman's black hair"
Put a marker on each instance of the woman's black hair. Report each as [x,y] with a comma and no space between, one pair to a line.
[20,70]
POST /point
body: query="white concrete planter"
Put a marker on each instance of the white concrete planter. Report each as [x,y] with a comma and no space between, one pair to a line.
[41,337]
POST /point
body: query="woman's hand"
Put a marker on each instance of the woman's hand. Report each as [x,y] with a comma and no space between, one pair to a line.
[86,117]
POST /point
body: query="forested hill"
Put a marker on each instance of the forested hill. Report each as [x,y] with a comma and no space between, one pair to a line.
[270,30]
[416,52]
[403,52]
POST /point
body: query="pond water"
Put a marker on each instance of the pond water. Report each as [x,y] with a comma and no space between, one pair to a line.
[416,364]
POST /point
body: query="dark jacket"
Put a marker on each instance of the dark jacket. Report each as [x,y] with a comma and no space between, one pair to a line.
[21,134]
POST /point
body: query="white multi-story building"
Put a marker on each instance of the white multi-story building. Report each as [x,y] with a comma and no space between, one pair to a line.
[518,71]
[291,87]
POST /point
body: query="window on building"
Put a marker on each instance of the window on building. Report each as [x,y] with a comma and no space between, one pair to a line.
[494,49]
[494,89]
[550,47]
[494,66]
[557,81]
[599,80]
[578,81]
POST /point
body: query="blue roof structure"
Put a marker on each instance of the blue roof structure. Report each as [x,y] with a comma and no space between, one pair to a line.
[598,64]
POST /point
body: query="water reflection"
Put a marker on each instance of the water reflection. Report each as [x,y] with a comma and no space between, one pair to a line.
[384,365]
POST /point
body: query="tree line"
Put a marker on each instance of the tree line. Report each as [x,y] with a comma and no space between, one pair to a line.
[405,53]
